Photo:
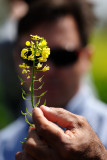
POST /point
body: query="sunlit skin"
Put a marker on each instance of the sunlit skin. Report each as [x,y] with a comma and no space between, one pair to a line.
[61,83]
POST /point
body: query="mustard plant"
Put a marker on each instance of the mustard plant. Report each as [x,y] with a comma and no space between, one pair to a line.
[37,52]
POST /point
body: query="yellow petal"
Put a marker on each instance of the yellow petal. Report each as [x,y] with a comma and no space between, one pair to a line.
[28,43]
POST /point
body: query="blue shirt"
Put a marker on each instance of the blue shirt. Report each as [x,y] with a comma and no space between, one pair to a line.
[84,103]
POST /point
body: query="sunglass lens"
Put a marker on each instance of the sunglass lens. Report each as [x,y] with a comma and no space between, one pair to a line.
[62,57]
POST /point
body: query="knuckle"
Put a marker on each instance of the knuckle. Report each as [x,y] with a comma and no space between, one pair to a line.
[82,121]
[18,156]
[43,128]
[29,144]
[57,110]
[59,136]
[60,111]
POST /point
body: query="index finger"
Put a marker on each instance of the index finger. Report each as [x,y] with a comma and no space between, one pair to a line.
[48,130]
[61,116]
[42,122]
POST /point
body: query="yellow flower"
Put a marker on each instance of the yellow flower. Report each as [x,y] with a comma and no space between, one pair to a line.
[42,43]
[35,37]
[21,83]
[45,56]
[28,43]
[31,58]
[24,50]
[24,71]
[45,52]
[27,66]
[32,44]
[32,50]
[24,53]
[38,53]
[28,77]
[23,65]
[39,66]
[46,68]
[42,59]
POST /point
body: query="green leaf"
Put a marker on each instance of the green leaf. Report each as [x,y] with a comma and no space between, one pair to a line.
[25,114]
[23,91]
[40,87]
[44,103]
[22,113]
[20,78]
[22,142]
[40,79]
[38,102]
[28,112]
[28,121]
[43,93]
[25,98]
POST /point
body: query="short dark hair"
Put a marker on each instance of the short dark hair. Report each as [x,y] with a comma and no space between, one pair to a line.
[48,10]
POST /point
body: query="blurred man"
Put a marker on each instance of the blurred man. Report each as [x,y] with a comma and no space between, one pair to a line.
[66,25]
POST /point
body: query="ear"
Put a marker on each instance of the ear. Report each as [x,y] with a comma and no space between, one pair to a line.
[88,52]
[85,58]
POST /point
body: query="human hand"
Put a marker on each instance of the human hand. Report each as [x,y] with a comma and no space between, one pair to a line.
[77,142]
[35,148]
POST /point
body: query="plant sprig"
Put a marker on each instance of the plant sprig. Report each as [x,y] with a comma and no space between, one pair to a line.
[37,52]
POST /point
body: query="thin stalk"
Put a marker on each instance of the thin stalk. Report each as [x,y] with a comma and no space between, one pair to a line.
[32,85]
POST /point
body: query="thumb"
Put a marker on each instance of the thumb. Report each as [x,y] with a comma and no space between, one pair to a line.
[61,116]
[42,123]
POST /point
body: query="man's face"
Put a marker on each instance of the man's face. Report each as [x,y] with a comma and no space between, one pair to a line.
[61,82]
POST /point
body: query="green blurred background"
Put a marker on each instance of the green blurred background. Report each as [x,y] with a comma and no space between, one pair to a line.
[99,74]
[99,64]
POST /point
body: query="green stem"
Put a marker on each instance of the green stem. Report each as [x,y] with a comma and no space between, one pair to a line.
[32,84]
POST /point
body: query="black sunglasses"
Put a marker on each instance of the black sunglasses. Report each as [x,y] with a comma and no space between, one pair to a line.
[63,58]
[60,57]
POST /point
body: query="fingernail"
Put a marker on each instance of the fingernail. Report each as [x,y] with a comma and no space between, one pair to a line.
[37,109]
[46,108]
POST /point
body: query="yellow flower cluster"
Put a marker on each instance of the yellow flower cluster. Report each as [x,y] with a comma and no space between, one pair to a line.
[23,65]
[25,68]
[25,71]
[39,50]
[35,50]
[46,68]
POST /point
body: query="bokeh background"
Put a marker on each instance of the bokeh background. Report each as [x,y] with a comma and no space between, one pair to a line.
[99,64]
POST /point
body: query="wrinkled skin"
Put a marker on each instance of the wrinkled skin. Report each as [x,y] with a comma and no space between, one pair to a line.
[48,141]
